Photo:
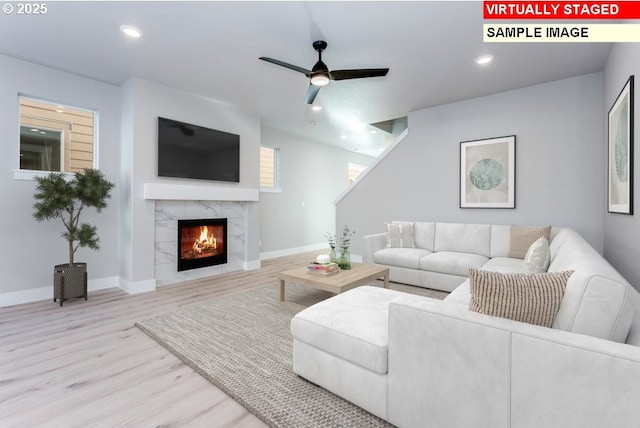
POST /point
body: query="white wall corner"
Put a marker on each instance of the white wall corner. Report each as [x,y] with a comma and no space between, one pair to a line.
[251,265]
[138,286]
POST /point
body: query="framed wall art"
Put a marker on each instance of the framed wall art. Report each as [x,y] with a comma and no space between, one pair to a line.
[488,173]
[620,152]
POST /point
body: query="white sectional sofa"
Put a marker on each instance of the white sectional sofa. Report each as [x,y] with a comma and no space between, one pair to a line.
[440,254]
[421,362]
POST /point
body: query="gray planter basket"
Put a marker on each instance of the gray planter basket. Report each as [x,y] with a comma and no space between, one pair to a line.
[69,281]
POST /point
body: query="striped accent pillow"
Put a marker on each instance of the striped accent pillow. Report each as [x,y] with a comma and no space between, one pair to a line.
[533,298]
[400,235]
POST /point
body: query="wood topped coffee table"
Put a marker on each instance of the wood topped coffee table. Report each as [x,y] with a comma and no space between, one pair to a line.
[359,274]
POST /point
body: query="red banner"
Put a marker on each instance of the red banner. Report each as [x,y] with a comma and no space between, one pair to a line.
[580,10]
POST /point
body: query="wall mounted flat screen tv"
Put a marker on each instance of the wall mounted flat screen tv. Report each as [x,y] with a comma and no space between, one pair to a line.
[191,151]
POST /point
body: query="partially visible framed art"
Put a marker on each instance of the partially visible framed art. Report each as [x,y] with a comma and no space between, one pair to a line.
[620,149]
[488,173]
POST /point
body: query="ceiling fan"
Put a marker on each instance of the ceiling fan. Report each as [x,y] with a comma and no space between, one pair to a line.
[320,75]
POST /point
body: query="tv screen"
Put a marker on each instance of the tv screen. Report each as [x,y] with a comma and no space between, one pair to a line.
[191,151]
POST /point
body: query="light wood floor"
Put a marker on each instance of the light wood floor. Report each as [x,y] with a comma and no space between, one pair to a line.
[86,365]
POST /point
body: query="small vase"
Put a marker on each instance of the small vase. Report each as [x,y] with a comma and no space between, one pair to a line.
[333,256]
[345,259]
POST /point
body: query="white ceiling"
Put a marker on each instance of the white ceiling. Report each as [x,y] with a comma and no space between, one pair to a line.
[212,49]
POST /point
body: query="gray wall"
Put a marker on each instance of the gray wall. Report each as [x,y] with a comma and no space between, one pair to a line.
[142,103]
[559,130]
[621,231]
[312,177]
[29,250]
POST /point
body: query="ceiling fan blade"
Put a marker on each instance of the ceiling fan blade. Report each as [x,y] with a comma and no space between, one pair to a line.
[358,73]
[311,93]
[287,65]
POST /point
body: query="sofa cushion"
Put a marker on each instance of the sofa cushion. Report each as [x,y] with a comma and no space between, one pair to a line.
[452,263]
[505,264]
[463,238]
[532,298]
[521,238]
[352,326]
[424,234]
[400,257]
[538,256]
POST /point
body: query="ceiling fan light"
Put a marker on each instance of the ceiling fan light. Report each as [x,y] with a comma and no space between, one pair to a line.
[320,79]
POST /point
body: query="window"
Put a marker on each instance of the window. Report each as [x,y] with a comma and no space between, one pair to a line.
[55,137]
[354,171]
[269,179]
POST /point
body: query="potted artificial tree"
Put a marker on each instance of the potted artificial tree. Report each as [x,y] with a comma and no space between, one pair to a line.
[58,196]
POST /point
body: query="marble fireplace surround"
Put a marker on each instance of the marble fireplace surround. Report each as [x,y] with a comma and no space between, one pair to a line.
[174,202]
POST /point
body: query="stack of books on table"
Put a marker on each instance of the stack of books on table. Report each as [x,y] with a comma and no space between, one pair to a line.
[323,268]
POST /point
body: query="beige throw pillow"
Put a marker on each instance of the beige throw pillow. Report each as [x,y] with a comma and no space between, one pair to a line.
[533,298]
[400,235]
[538,256]
[521,238]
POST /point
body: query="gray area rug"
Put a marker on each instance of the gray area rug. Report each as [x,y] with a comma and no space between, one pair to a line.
[242,344]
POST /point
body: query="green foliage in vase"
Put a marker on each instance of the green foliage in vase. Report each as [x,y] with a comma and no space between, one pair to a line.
[57,196]
[345,240]
[331,239]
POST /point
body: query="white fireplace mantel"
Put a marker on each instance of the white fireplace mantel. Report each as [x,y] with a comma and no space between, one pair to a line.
[186,192]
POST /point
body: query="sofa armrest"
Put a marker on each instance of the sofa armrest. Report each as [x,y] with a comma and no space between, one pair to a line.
[371,244]
[451,367]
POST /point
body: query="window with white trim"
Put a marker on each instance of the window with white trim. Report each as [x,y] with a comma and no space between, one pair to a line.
[269,174]
[55,137]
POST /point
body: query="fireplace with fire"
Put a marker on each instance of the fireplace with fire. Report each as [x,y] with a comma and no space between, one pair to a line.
[201,243]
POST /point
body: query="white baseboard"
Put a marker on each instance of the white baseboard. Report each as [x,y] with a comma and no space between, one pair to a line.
[290,251]
[45,293]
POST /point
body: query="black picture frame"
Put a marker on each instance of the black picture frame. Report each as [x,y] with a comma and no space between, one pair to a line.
[620,132]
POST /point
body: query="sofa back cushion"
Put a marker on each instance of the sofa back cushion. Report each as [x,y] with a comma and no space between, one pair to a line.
[424,234]
[598,300]
[463,238]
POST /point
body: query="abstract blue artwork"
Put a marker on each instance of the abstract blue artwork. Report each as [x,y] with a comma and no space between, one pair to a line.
[487,173]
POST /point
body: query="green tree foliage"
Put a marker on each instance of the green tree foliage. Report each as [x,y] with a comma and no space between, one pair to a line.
[58,196]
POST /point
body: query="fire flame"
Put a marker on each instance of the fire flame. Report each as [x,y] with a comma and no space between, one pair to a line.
[205,241]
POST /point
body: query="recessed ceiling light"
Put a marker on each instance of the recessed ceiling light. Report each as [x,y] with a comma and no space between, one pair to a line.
[316,108]
[373,131]
[131,31]
[484,59]
[343,137]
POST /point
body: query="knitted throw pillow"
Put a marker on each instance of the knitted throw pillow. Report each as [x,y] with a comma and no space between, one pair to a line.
[521,238]
[533,298]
